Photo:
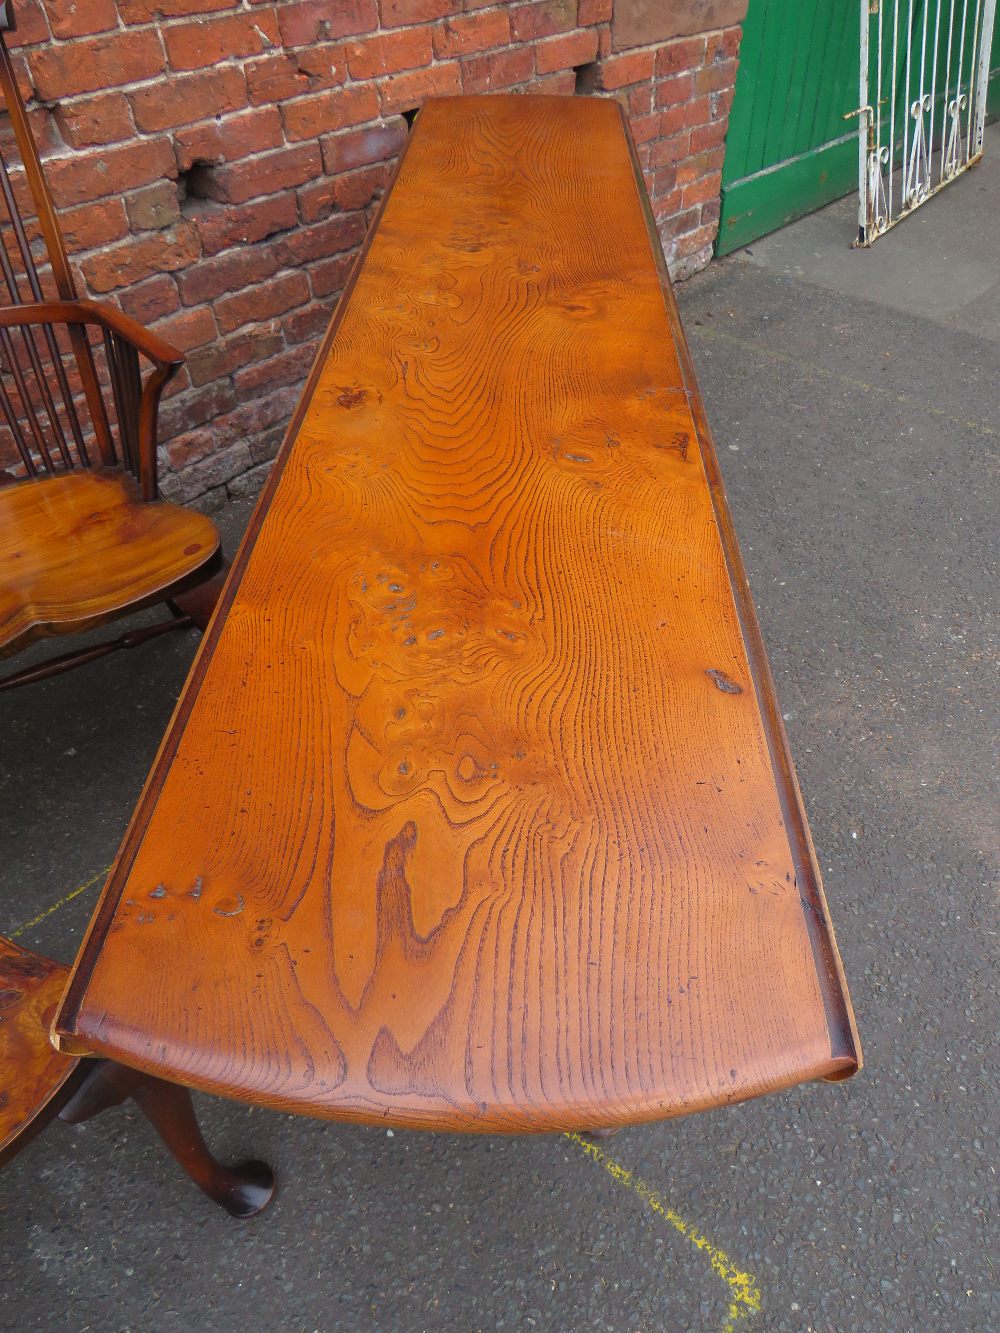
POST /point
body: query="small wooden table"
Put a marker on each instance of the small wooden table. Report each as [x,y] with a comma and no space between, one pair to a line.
[476,811]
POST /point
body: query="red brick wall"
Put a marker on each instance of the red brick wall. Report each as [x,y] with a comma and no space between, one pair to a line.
[216,163]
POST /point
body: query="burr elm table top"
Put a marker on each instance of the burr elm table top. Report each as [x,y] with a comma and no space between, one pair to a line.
[476,811]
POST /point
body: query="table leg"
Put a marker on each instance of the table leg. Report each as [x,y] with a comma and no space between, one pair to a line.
[243,1190]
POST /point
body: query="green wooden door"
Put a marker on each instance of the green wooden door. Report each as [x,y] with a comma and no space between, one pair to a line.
[789,150]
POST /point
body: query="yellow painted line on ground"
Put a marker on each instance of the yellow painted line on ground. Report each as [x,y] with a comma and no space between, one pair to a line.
[758,349]
[744,1295]
[74,893]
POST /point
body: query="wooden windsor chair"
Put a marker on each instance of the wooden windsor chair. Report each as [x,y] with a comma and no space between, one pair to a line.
[84,538]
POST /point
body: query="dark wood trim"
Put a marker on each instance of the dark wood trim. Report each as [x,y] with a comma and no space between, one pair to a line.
[844,1045]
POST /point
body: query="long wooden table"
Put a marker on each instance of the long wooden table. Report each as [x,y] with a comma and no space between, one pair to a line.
[476,811]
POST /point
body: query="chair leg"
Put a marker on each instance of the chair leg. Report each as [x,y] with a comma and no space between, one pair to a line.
[199,602]
[243,1190]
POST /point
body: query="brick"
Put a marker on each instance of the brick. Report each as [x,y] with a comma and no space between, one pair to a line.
[218,467]
[328,277]
[97,120]
[644,22]
[44,130]
[675,119]
[306,323]
[75,180]
[153,207]
[217,38]
[388,53]
[91,225]
[471,33]
[357,189]
[140,257]
[694,167]
[639,99]
[248,485]
[398,13]
[316,200]
[481,74]
[221,228]
[274,409]
[594,11]
[150,300]
[188,329]
[711,211]
[32,25]
[227,355]
[723,45]
[617,71]
[324,65]
[670,222]
[79,18]
[695,240]
[96,63]
[675,57]
[670,149]
[644,128]
[264,446]
[319,20]
[708,136]
[190,447]
[560,53]
[288,367]
[344,231]
[194,407]
[230,272]
[410,90]
[673,91]
[665,181]
[360,148]
[274,298]
[179,101]
[231,138]
[715,77]
[275,78]
[320,113]
[546,19]
[556,85]
[700,191]
[151,11]
[722,103]
[237,182]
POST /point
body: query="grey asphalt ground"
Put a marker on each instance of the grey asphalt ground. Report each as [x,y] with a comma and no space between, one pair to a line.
[858,434]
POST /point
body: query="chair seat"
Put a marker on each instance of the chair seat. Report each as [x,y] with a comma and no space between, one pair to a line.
[31,1070]
[82,547]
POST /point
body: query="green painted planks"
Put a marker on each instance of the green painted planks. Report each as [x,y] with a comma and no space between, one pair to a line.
[763,203]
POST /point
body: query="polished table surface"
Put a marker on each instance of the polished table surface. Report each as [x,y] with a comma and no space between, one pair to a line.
[476,811]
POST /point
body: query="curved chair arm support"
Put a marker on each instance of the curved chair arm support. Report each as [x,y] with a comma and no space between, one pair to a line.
[151,345]
[137,401]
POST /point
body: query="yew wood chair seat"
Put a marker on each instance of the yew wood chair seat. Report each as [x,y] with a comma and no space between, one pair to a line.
[79,549]
[37,1083]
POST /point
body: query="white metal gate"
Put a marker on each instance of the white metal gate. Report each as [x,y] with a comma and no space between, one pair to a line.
[924,71]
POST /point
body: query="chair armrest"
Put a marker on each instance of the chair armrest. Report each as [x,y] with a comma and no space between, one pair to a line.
[136,400]
[151,345]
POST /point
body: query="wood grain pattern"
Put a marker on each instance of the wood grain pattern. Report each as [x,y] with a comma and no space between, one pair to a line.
[31,1070]
[81,548]
[476,812]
